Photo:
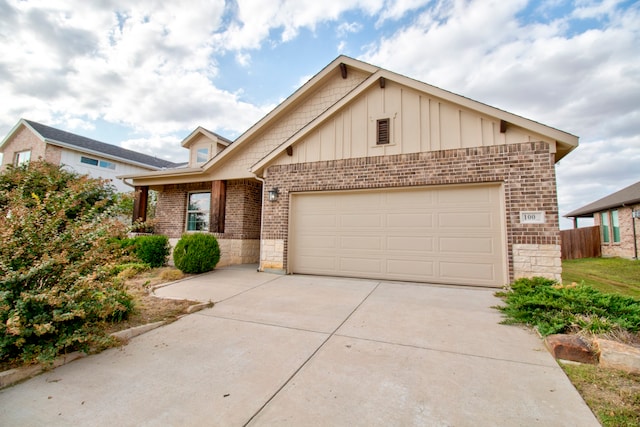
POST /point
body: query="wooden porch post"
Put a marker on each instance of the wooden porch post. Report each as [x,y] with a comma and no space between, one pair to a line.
[218,205]
[140,204]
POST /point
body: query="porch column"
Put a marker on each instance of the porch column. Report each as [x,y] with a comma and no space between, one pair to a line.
[140,204]
[218,204]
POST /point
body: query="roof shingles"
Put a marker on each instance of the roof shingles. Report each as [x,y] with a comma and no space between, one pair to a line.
[627,196]
[54,135]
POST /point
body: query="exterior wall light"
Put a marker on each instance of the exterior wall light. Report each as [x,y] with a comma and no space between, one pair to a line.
[273,194]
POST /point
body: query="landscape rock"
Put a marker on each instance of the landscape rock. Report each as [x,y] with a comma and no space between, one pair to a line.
[619,356]
[571,347]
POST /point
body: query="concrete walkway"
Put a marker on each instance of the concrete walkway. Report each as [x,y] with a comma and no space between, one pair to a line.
[303,350]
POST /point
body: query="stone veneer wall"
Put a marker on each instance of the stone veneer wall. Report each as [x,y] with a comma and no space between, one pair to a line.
[240,242]
[526,170]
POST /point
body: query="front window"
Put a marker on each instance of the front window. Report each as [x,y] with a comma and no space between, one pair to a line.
[198,210]
[604,222]
[22,157]
[615,226]
[202,155]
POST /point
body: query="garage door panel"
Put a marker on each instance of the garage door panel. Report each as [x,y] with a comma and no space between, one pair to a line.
[361,267]
[466,196]
[401,200]
[466,245]
[468,220]
[417,244]
[318,262]
[405,268]
[360,220]
[404,220]
[318,241]
[445,234]
[361,242]
[464,271]
[318,220]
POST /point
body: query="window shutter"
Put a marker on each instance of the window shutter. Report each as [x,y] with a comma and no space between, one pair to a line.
[382,131]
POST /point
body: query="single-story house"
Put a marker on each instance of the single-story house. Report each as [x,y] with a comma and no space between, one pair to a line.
[618,216]
[363,172]
[29,140]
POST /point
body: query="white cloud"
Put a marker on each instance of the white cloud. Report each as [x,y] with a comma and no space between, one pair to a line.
[348,27]
[145,64]
[167,146]
[277,21]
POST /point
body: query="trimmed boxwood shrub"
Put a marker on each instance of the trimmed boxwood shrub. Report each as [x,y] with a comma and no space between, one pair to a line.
[153,250]
[196,253]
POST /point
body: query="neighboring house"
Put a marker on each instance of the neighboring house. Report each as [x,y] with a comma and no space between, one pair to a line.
[363,172]
[29,140]
[619,229]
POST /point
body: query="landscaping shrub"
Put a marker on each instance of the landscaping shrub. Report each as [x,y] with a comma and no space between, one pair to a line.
[57,282]
[129,270]
[171,275]
[554,308]
[196,253]
[153,250]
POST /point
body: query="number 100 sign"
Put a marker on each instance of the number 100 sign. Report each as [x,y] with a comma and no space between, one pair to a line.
[532,217]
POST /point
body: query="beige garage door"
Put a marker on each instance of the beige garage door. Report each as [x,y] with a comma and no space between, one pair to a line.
[449,234]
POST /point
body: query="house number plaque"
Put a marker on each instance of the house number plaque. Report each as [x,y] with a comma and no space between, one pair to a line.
[532,217]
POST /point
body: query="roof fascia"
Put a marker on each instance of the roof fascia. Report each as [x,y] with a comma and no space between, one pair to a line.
[200,130]
[163,173]
[12,132]
[589,212]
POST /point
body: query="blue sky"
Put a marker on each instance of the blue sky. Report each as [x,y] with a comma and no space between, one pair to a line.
[144,74]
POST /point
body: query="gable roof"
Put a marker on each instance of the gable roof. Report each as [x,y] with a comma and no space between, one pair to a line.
[70,140]
[565,142]
[206,132]
[627,196]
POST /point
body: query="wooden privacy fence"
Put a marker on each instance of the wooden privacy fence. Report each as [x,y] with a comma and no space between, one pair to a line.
[581,243]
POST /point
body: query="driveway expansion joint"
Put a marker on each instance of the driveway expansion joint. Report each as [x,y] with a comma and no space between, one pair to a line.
[306,362]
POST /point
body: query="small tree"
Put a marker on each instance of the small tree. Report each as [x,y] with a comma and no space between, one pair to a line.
[196,253]
[57,285]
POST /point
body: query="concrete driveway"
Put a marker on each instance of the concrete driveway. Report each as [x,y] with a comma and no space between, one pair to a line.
[303,350]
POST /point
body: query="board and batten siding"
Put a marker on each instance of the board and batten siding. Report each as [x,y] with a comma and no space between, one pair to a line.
[306,109]
[419,123]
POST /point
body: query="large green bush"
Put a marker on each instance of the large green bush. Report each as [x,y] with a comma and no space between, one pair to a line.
[57,284]
[196,253]
[153,250]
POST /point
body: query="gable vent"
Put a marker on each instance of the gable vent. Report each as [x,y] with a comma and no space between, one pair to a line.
[382,126]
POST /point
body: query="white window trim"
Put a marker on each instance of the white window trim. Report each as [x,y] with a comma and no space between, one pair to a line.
[16,157]
[188,211]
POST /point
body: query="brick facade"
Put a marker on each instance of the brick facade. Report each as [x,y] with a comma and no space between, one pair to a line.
[239,243]
[625,248]
[526,170]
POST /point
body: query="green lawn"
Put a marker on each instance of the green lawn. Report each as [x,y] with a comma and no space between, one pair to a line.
[611,275]
[613,396]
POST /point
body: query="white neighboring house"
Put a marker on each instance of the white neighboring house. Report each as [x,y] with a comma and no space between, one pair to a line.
[29,140]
